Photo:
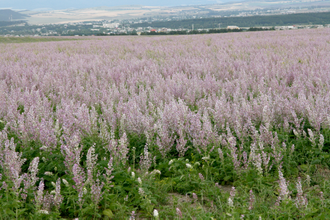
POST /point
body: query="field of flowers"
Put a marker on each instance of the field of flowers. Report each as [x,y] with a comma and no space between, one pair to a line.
[161,127]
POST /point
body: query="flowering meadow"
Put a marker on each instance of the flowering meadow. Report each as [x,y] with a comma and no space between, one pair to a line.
[223,126]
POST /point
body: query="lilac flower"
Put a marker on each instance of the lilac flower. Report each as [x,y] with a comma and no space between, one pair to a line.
[123,148]
[251,200]
[39,198]
[132,217]
[284,192]
[145,159]
[58,198]
[181,141]
[201,177]
[258,163]
[31,178]
[79,179]
[11,162]
[71,151]
[292,149]
[232,192]
[108,171]
[311,137]
[220,154]
[195,197]
[321,142]
[91,162]
[178,212]
[96,191]
[300,199]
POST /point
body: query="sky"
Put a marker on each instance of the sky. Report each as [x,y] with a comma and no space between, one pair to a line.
[65,4]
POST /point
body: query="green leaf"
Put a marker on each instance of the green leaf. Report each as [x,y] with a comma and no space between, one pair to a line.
[316,161]
[304,167]
[227,178]
[108,213]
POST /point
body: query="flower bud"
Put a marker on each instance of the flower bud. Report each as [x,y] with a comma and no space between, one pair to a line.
[156,215]
[65,182]
[47,173]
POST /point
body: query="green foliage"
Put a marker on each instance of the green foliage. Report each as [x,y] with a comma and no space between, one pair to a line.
[210,178]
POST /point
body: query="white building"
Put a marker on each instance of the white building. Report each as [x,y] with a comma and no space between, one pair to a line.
[111,25]
[232,28]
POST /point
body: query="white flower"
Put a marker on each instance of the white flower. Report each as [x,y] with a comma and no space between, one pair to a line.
[48,173]
[197,164]
[188,166]
[154,172]
[43,147]
[206,158]
[43,212]
[171,161]
[141,191]
[53,192]
[53,184]
[139,180]
[65,182]
[156,215]
[230,202]
[296,133]
[133,175]
[84,190]
[308,180]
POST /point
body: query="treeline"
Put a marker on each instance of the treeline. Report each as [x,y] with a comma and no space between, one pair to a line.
[9,23]
[252,21]
[210,31]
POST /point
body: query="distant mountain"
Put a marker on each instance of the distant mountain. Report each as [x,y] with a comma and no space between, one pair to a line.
[8,15]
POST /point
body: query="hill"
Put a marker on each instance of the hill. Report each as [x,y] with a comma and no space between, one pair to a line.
[252,21]
[8,15]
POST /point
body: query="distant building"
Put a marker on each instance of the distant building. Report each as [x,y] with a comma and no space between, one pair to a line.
[111,25]
[232,28]
[163,30]
[153,30]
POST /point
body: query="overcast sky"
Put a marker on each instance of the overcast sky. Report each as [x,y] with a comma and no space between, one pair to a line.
[63,4]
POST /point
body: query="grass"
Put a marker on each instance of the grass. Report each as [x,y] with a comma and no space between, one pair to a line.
[33,39]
